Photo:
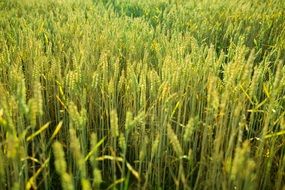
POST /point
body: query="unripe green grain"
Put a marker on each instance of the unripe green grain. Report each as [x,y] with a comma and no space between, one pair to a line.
[76,152]
[114,124]
[60,164]
[174,141]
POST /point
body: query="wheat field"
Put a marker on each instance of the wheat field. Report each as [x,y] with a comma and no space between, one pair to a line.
[142,94]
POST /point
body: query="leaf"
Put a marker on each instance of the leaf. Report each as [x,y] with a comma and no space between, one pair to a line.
[44,127]
[119,159]
[31,182]
[57,129]
[115,183]
[94,149]
[275,134]
[265,89]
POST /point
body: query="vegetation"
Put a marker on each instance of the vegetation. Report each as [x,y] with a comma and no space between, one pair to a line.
[142,94]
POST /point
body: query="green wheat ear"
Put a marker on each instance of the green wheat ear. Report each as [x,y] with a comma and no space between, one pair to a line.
[76,152]
[174,141]
[93,154]
[60,164]
[155,145]
[114,123]
[189,130]
[61,167]
[242,159]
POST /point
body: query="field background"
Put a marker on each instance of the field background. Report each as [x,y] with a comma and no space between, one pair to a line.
[142,94]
